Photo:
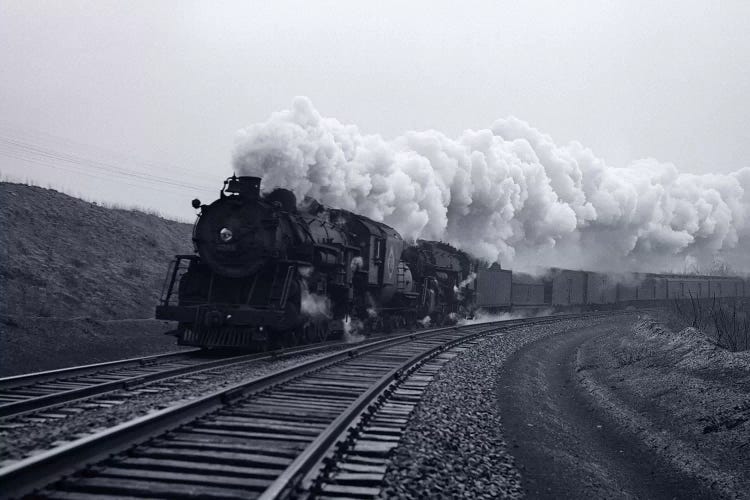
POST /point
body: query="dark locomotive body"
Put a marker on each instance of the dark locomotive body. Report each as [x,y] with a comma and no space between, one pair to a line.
[267,273]
[445,278]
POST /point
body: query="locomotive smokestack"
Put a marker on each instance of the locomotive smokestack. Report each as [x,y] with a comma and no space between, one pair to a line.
[246,186]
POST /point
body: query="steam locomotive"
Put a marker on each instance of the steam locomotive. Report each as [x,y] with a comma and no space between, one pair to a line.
[268,273]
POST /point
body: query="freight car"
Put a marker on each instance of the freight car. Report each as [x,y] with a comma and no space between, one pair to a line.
[564,289]
[529,292]
[648,289]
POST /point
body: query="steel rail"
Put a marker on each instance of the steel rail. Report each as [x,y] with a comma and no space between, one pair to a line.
[25,379]
[49,401]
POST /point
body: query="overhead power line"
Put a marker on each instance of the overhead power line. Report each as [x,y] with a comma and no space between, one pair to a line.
[59,143]
[54,158]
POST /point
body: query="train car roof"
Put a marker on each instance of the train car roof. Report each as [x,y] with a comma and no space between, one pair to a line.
[692,276]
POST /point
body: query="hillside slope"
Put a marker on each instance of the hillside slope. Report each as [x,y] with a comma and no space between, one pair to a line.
[64,257]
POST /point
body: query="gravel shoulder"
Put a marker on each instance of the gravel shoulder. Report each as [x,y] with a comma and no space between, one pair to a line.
[31,344]
[455,444]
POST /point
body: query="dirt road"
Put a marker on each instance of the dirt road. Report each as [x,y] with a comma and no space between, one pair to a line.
[564,445]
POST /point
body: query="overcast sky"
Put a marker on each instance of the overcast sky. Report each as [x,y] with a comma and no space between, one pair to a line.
[88,89]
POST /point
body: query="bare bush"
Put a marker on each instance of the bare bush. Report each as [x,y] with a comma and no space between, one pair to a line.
[726,322]
[732,327]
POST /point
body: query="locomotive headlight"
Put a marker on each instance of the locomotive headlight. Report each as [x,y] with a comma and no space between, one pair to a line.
[226,235]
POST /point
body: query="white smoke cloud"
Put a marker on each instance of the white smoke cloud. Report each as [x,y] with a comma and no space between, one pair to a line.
[506,193]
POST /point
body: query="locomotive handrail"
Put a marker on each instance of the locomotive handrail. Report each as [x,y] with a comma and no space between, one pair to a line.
[171,277]
[287,284]
[166,288]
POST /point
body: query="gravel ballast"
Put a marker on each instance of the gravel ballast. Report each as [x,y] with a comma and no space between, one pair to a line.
[454,444]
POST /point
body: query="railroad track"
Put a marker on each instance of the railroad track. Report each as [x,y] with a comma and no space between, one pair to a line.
[33,391]
[46,391]
[268,437]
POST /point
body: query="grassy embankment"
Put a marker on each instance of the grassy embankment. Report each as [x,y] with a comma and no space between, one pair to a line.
[78,280]
[64,257]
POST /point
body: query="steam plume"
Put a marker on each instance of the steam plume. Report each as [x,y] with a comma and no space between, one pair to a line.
[506,193]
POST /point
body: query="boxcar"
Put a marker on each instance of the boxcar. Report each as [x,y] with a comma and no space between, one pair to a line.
[675,288]
[528,290]
[738,287]
[568,287]
[724,287]
[647,287]
[493,288]
[698,288]
[600,289]
[716,288]
[660,286]
[686,288]
[627,292]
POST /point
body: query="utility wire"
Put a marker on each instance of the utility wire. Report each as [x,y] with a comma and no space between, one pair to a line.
[97,175]
[49,157]
[61,143]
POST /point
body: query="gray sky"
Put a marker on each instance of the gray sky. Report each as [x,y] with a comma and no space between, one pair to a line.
[160,88]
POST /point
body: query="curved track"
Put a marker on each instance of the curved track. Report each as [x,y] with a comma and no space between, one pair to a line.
[267,437]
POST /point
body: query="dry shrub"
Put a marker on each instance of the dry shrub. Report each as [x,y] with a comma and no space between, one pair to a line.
[725,321]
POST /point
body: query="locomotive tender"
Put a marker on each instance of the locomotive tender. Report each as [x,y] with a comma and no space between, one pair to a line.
[268,273]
